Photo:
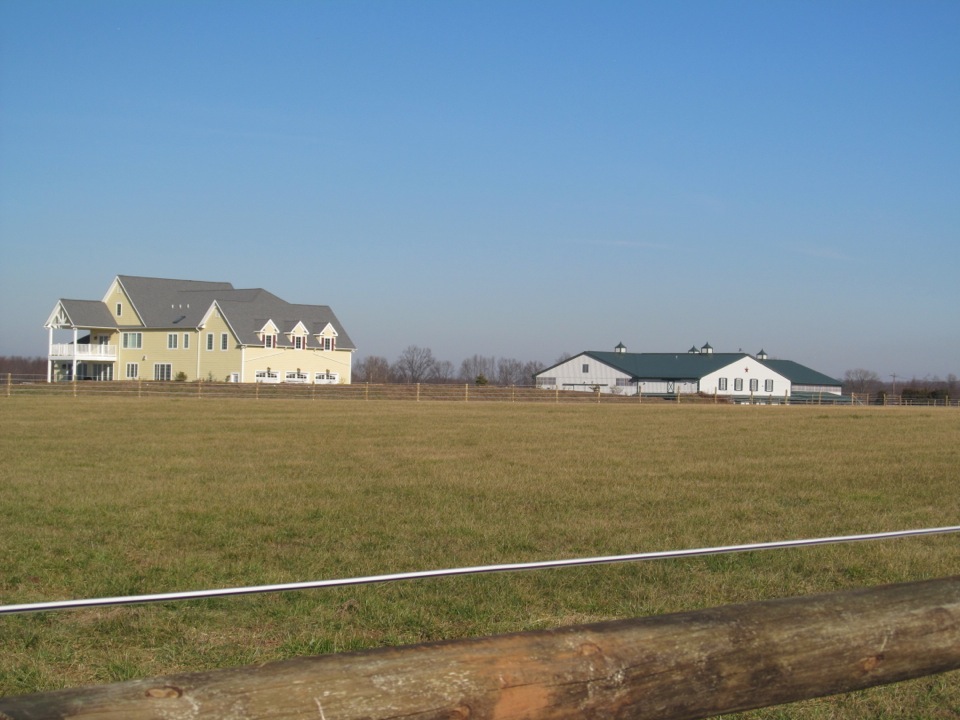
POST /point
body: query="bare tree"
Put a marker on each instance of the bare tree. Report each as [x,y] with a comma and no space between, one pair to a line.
[442,372]
[860,380]
[372,369]
[414,365]
[530,369]
[509,372]
[474,367]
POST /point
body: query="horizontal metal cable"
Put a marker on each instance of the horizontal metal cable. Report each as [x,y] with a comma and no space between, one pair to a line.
[424,574]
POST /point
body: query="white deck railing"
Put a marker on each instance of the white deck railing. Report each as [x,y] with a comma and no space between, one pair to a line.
[84,352]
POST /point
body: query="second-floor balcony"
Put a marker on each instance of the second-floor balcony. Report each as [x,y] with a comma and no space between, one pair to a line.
[68,351]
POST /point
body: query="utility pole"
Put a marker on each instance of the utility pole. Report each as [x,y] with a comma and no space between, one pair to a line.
[894,376]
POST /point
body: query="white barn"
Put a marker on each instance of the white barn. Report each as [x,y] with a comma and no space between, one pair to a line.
[700,370]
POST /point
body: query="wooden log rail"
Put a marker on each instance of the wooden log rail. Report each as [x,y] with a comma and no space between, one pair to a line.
[685,665]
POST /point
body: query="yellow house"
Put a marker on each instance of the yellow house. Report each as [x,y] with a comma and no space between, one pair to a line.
[158,329]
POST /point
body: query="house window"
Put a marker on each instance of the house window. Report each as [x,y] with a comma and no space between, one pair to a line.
[326,377]
[298,342]
[296,377]
[768,385]
[585,368]
[162,371]
[223,341]
[209,341]
[133,371]
[132,340]
[738,384]
[186,341]
[548,381]
[327,344]
[119,309]
[754,384]
[171,341]
[722,384]
[269,341]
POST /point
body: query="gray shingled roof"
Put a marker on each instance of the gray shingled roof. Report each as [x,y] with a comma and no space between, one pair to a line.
[88,313]
[160,302]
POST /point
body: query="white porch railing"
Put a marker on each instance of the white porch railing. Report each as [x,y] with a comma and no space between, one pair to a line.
[83,352]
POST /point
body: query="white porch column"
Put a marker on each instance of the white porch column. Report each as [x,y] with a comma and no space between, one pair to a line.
[74,354]
[49,350]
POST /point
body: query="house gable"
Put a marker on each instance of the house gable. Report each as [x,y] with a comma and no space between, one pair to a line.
[121,306]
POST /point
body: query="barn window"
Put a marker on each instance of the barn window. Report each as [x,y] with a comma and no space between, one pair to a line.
[768,385]
[722,384]
[754,384]
[738,384]
[586,367]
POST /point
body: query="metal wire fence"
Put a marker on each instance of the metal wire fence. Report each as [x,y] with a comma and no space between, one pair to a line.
[18,385]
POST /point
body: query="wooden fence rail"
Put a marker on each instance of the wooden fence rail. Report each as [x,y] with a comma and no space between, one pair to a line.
[687,665]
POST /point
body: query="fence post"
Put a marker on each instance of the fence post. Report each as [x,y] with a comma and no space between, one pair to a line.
[366,391]
[693,664]
[9,383]
[418,392]
[74,385]
[199,388]
[466,392]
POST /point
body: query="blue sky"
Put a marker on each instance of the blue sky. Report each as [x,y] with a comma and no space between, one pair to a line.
[518,179]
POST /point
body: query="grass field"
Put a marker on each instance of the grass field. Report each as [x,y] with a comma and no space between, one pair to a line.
[114,496]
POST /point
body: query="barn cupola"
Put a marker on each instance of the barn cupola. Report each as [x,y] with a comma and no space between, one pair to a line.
[693,350]
[620,348]
[762,355]
[706,349]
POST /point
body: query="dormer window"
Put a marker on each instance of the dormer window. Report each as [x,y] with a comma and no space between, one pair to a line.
[269,341]
[328,344]
[298,343]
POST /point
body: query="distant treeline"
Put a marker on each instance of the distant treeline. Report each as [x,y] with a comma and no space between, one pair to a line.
[21,365]
[864,381]
[418,365]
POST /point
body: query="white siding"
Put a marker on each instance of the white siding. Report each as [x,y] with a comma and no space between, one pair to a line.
[746,369]
[571,376]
